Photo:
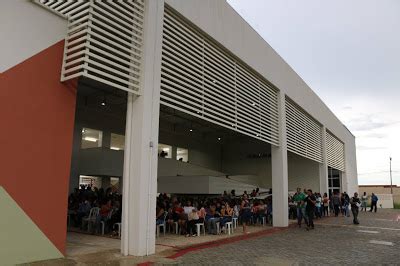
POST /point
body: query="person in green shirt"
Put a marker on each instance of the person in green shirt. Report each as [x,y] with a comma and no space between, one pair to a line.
[299,198]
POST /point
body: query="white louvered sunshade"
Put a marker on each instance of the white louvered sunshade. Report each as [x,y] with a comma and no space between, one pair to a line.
[63,7]
[104,41]
[201,78]
[304,134]
[335,152]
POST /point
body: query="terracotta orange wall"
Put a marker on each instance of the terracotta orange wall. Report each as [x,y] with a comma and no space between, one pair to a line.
[37,119]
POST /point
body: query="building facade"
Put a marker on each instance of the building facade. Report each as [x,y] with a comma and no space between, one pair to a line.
[198,58]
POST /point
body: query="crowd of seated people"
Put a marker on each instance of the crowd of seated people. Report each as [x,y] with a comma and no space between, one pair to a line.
[109,202]
[213,212]
[182,211]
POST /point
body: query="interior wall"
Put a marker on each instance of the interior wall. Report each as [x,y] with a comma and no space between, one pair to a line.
[303,173]
[202,153]
[85,161]
[242,157]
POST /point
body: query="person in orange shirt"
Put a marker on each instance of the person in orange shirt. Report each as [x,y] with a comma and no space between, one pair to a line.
[104,212]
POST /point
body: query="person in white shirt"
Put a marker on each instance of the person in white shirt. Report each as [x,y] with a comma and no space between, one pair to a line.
[188,208]
[364,201]
[193,219]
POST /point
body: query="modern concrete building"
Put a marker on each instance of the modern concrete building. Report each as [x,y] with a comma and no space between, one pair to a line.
[95,91]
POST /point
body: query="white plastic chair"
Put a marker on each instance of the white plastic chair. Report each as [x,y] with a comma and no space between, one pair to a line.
[119,229]
[103,224]
[263,221]
[229,226]
[235,222]
[177,229]
[199,225]
[91,219]
[163,225]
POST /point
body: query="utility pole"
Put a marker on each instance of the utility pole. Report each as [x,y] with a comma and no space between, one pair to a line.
[391,186]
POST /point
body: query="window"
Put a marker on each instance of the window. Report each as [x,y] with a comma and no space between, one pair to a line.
[91,138]
[89,181]
[164,151]
[334,180]
[115,183]
[182,155]
[117,142]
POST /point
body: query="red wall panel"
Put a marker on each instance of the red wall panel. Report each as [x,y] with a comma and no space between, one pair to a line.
[37,119]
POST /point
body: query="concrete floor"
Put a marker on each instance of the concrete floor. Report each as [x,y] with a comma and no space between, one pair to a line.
[86,249]
[80,244]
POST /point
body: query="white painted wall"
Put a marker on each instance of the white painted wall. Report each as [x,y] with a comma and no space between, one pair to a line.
[201,185]
[223,24]
[183,184]
[25,30]
[236,161]
[201,152]
[171,167]
[101,162]
[86,161]
[303,173]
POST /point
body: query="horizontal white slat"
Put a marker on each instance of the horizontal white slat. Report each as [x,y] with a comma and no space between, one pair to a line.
[103,42]
[202,78]
[335,152]
[304,134]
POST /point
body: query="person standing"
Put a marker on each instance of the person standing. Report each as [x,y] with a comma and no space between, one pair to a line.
[374,201]
[336,203]
[345,199]
[355,204]
[318,205]
[299,198]
[246,214]
[325,201]
[310,209]
[364,200]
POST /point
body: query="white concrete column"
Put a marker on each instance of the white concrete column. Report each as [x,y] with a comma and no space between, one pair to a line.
[141,138]
[323,167]
[344,184]
[279,163]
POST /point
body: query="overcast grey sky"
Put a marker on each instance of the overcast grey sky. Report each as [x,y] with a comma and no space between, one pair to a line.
[348,52]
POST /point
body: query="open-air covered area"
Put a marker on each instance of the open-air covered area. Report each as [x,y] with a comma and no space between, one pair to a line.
[202,166]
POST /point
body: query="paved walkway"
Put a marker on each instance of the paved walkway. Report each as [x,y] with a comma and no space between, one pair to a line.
[335,240]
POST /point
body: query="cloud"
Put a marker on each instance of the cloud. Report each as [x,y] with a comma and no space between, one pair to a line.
[370,148]
[367,122]
[375,136]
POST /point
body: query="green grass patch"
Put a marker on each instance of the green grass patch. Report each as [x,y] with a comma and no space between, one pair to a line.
[397,205]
